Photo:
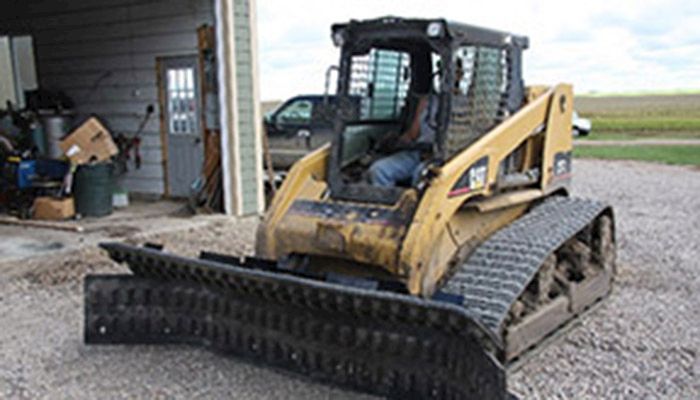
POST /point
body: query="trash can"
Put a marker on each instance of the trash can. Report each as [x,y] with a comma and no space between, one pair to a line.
[92,189]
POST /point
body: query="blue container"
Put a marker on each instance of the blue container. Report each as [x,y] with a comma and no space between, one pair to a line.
[26,173]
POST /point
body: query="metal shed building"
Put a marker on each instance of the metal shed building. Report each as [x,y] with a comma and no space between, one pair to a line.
[114,58]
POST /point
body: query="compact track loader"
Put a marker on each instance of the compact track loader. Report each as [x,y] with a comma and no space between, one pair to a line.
[426,289]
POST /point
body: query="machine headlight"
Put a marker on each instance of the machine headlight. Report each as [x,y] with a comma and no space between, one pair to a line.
[434,29]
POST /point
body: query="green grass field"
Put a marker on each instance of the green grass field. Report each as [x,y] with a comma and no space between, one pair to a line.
[652,135]
[675,92]
[648,125]
[654,116]
[675,155]
[632,117]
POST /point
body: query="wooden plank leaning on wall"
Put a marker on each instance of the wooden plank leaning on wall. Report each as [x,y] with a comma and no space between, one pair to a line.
[212,190]
[162,104]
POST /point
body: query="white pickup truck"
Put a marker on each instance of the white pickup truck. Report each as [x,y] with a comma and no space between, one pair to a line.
[580,126]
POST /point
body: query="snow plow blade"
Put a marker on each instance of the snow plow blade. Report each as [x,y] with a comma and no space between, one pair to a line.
[373,341]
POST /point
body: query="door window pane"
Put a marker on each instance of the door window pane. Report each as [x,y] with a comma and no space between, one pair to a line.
[182,101]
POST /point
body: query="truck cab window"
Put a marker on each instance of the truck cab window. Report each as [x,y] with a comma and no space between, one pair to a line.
[298,111]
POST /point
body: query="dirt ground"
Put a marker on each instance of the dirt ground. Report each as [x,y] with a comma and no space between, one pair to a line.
[644,342]
[20,241]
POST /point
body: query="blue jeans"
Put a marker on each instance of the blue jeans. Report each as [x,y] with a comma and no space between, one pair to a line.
[401,166]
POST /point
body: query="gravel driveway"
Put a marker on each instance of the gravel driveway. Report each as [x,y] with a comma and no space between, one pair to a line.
[644,342]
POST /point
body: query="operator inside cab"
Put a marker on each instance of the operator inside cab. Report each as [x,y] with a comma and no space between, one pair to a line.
[406,165]
[411,148]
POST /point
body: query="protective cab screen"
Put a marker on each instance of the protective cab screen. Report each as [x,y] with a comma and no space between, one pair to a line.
[379,82]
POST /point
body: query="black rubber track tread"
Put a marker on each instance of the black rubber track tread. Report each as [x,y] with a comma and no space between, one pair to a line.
[499,270]
[388,344]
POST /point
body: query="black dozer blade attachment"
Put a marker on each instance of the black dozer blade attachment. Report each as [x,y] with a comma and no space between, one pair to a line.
[379,342]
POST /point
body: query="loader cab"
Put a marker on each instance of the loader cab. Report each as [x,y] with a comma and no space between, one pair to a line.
[389,64]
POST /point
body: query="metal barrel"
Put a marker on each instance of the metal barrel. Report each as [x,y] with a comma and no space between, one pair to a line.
[55,127]
[384,343]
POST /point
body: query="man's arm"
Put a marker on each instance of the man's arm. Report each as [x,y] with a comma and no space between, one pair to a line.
[413,131]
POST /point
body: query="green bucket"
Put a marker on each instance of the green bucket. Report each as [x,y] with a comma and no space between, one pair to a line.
[92,189]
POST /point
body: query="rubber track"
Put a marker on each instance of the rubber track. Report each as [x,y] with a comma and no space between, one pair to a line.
[500,269]
[383,343]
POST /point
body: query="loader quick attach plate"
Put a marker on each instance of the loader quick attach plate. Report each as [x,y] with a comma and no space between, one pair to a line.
[383,343]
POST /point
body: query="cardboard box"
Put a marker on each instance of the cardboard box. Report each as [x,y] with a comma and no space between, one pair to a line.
[53,209]
[91,141]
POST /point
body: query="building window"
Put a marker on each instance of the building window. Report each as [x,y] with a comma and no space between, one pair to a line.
[182,100]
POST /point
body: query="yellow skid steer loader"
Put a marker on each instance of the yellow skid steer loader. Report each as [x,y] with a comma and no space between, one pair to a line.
[425,287]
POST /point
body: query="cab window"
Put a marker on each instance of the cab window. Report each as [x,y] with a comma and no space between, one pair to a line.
[380,79]
[297,111]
